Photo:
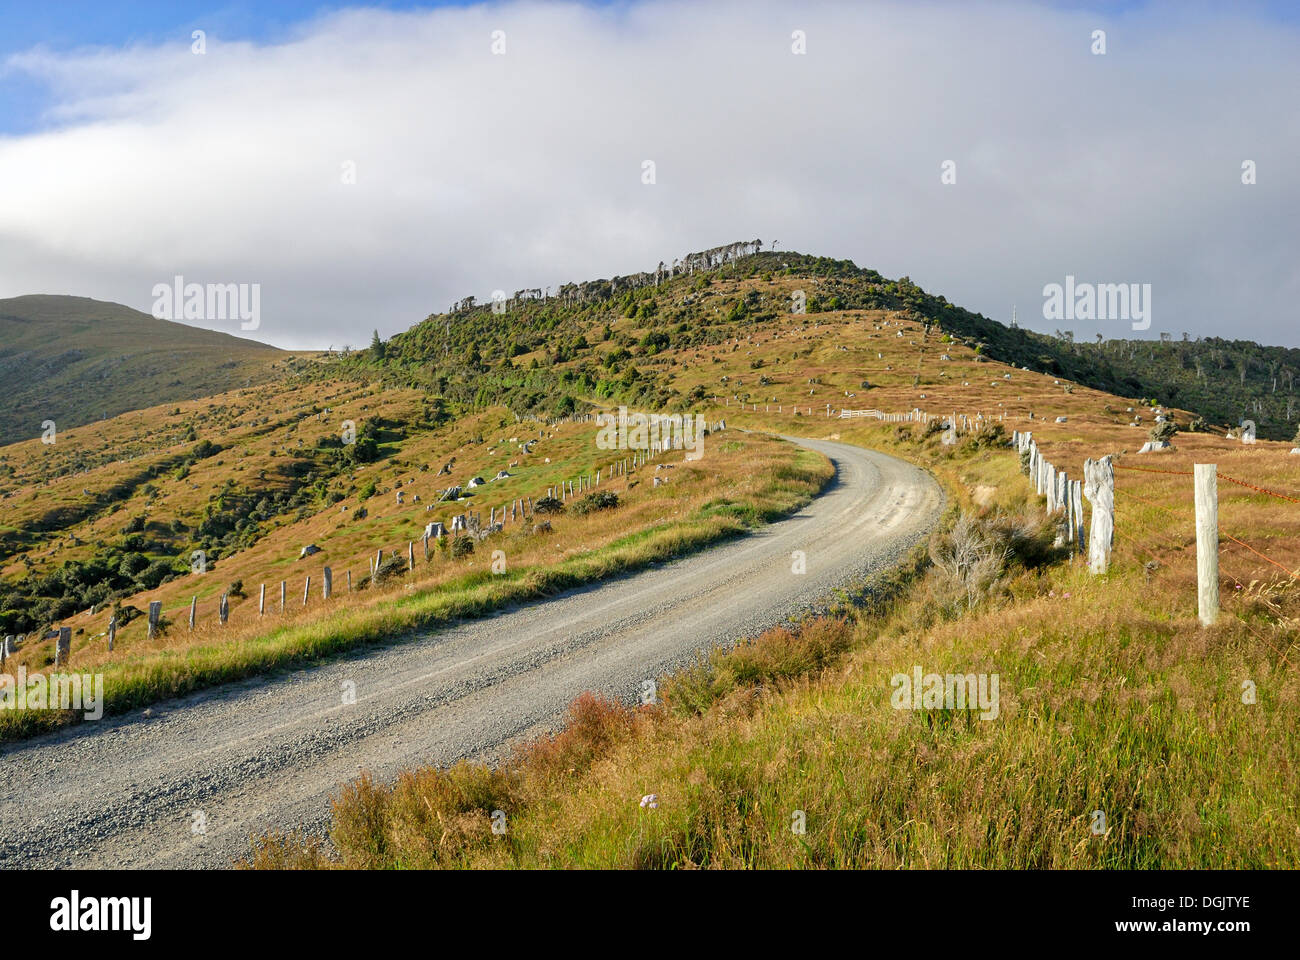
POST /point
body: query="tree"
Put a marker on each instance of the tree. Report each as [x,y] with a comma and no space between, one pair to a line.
[377,349]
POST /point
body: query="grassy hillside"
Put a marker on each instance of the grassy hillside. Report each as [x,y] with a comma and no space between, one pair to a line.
[1113,697]
[74,360]
[252,477]
[590,340]
[788,752]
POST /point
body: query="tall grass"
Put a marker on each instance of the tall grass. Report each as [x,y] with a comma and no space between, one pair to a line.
[1125,737]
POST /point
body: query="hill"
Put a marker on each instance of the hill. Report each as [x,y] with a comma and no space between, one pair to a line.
[74,360]
[1112,679]
[543,353]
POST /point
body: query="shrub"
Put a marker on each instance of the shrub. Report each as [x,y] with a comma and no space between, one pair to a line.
[600,500]
[1163,431]
[593,725]
[989,435]
[548,505]
[462,546]
[972,557]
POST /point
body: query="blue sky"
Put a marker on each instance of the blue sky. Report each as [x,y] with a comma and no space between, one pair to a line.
[367,167]
[64,25]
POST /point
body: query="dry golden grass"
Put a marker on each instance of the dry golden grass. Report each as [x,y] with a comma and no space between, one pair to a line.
[1112,698]
[741,481]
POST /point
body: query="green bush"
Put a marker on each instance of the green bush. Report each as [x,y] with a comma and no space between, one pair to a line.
[600,500]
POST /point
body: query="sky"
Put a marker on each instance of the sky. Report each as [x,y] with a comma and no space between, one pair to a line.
[364,166]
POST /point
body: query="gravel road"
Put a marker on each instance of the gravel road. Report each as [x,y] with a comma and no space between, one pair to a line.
[268,753]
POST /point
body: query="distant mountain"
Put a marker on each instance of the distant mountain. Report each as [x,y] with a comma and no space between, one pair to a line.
[74,360]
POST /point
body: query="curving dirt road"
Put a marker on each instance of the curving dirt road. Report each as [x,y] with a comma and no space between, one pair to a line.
[267,754]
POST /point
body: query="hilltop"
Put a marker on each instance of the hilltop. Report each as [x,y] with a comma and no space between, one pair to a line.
[75,360]
[545,352]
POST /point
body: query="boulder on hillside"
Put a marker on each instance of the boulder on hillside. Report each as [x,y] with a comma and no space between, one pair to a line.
[1153,445]
[308,551]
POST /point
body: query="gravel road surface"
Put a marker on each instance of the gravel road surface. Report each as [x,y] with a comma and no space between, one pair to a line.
[268,753]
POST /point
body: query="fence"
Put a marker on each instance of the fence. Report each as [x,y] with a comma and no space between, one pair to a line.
[519,510]
[1209,535]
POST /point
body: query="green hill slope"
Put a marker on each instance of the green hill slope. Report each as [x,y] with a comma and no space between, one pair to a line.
[597,339]
[74,360]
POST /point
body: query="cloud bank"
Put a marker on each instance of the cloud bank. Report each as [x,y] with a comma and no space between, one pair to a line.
[478,170]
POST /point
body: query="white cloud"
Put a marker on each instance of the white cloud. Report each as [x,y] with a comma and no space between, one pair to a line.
[477,172]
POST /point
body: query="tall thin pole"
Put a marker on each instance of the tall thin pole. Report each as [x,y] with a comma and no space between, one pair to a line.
[1206,480]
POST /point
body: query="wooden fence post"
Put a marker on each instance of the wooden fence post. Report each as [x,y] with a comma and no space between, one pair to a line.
[261,601]
[1206,481]
[327,583]
[155,611]
[1099,488]
[194,605]
[1076,511]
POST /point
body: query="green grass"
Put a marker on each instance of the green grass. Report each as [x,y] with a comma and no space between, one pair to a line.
[171,673]
[1112,698]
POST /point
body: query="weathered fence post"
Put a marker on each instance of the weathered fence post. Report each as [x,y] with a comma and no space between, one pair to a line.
[112,632]
[155,611]
[1206,480]
[349,581]
[224,610]
[410,554]
[62,646]
[306,589]
[261,601]
[327,583]
[194,607]
[1076,511]
[284,594]
[1099,488]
